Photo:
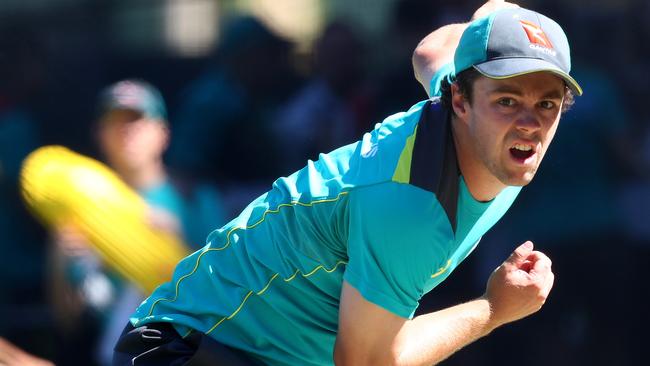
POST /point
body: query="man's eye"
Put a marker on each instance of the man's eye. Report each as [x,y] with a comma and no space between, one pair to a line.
[507,102]
[547,104]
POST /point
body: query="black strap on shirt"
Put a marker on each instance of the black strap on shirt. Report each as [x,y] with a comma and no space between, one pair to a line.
[434,165]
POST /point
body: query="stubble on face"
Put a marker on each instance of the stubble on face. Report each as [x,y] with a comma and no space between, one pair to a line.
[512,122]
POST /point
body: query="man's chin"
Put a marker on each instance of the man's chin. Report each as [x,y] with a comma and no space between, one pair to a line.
[519,179]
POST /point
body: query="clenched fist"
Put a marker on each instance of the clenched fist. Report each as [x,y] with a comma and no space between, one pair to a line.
[519,286]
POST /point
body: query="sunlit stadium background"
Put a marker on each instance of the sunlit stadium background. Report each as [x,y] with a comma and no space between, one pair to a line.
[588,208]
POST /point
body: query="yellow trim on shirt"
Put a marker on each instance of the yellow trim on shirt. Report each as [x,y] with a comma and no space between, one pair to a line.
[227,244]
[267,287]
[402,172]
[441,270]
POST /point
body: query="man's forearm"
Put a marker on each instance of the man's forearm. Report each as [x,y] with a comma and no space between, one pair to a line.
[438,48]
[371,335]
[431,338]
[434,51]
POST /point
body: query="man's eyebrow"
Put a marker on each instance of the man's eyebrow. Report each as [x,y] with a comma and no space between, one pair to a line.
[507,89]
[553,94]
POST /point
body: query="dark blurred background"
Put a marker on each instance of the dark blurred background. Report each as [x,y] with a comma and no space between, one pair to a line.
[254,88]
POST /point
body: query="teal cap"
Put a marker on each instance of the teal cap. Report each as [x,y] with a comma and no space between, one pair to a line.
[513,42]
[135,95]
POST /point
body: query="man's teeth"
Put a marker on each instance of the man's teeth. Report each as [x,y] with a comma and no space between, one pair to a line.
[522,147]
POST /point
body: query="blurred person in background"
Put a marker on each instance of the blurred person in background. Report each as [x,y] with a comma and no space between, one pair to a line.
[408,23]
[132,133]
[327,111]
[223,122]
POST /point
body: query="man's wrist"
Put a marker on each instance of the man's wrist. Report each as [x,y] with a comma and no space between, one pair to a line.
[493,320]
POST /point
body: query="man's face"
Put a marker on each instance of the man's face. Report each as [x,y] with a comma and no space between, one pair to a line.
[130,141]
[511,123]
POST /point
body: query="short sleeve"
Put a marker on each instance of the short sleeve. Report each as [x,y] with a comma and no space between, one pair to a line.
[398,238]
[438,77]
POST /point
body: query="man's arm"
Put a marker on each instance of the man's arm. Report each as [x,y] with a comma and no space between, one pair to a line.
[11,355]
[434,51]
[371,335]
[437,48]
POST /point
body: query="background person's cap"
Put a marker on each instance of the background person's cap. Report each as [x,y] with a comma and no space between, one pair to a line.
[135,95]
[512,42]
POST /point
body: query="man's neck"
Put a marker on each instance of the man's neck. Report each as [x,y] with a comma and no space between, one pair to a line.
[144,178]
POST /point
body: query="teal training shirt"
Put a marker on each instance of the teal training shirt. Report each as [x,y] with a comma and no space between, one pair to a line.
[389,214]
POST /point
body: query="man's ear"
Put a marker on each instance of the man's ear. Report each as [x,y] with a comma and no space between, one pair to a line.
[458,101]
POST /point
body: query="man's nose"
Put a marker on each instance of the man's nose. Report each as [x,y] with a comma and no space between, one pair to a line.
[528,121]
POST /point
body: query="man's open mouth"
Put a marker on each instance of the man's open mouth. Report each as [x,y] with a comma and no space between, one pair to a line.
[521,152]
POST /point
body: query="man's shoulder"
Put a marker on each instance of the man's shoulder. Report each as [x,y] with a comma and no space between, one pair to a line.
[371,160]
[389,142]
[401,205]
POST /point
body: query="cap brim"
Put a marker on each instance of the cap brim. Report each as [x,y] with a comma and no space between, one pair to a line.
[510,67]
[116,105]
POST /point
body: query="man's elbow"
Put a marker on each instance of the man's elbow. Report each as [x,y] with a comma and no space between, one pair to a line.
[420,61]
[422,70]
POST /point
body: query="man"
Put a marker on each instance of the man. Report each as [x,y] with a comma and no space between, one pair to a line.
[330,264]
[132,134]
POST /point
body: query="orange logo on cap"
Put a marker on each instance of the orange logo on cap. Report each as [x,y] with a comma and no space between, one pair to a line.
[536,35]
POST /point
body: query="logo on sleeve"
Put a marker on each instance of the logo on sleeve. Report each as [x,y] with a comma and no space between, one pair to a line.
[372,151]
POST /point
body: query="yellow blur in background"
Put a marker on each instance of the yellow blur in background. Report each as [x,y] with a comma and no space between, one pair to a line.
[62,187]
